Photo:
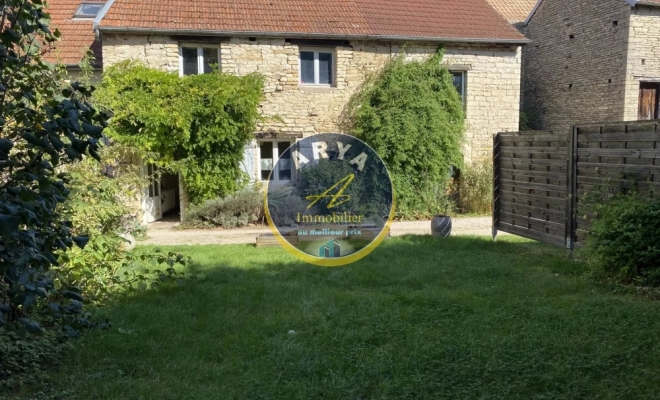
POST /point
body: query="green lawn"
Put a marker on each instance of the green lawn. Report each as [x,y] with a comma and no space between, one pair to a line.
[420,318]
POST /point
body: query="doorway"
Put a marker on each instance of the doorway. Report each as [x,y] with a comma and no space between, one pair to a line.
[161,198]
[648,101]
[170,197]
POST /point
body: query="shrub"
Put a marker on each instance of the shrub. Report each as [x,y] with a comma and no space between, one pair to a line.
[45,124]
[475,188]
[412,116]
[284,205]
[236,210]
[103,204]
[49,128]
[25,359]
[197,125]
[105,194]
[367,192]
[437,199]
[624,240]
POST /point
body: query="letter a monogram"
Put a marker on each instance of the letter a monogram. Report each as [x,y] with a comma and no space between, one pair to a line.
[338,198]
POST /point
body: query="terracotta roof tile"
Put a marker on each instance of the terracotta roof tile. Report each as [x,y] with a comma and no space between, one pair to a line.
[514,11]
[452,19]
[77,35]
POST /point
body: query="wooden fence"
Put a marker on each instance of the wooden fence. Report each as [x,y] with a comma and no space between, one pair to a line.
[540,177]
[530,185]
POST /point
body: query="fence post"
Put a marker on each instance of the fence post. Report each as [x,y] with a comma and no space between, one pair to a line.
[571,189]
[496,183]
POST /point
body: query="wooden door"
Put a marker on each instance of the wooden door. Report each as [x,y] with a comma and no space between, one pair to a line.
[648,101]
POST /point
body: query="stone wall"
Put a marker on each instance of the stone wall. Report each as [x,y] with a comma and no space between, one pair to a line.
[575,67]
[493,79]
[643,55]
[160,52]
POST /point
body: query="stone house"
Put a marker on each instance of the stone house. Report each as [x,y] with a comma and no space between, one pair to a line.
[591,61]
[315,54]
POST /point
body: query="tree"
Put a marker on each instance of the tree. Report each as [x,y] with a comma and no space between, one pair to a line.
[197,125]
[412,116]
[44,124]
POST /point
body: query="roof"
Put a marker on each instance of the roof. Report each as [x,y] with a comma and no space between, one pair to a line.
[77,34]
[633,3]
[439,20]
[513,11]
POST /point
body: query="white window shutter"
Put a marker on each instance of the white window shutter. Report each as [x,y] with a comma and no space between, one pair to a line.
[247,165]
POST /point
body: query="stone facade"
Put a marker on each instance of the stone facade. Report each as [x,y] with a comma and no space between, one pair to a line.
[160,52]
[574,71]
[587,60]
[643,62]
[492,85]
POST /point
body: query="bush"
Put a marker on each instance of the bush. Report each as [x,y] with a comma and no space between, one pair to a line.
[412,116]
[475,188]
[25,360]
[284,204]
[105,195]
[46,124]
[103,204]
[370,191]
[240,209]
[49,129]
[197,125]
[624,240]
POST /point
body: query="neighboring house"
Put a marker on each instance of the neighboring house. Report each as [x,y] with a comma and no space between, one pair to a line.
[74,19]
[514,11]
[591,61]
[314,55]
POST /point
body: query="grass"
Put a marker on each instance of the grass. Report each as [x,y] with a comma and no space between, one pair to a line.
[420,318]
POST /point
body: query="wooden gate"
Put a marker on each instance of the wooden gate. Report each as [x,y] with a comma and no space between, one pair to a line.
[529,185]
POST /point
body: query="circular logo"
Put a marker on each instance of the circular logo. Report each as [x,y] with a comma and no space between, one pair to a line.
[337,205]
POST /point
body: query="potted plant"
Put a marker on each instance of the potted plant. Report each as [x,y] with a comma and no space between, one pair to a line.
[443,203]
[441,225]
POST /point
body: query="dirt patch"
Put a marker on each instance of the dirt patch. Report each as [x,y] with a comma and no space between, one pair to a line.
[162,233]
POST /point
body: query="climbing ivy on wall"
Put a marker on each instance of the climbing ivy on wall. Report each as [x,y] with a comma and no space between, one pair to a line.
[197,125]
[412,115]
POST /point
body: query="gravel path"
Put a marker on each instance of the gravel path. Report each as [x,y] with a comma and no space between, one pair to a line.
[161,233]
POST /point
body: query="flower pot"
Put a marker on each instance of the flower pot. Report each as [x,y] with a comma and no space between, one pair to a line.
[441,225]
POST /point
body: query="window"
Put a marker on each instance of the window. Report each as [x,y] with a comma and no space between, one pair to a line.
[198,60]
[316,67]
[458,78]
[88,10]
[271,153]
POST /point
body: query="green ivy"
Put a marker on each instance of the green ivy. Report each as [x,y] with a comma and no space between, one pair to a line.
[412,115]
[197,125]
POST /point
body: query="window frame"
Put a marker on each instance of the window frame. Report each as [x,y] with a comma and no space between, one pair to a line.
[200,56]
[276,158]
[463,92]
[77,14]
[316,51]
